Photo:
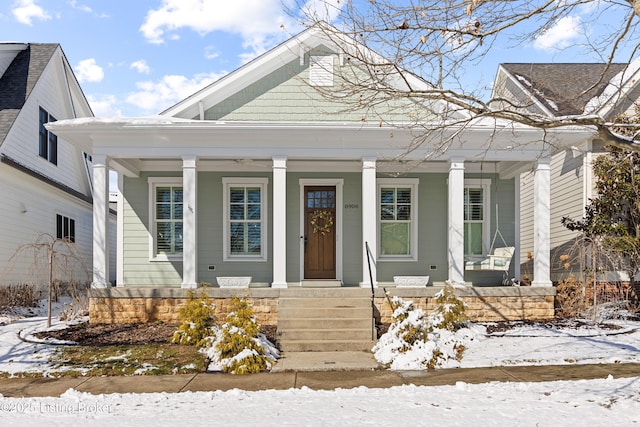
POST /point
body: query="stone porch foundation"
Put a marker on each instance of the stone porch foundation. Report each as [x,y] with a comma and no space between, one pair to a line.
[136,305]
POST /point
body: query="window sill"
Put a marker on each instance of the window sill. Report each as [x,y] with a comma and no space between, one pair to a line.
[165,258]
[391,258]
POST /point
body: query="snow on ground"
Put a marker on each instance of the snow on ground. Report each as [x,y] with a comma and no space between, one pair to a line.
[606,401]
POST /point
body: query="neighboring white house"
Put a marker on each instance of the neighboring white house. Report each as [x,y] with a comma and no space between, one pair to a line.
[556,90]
[258,175]
[45,185]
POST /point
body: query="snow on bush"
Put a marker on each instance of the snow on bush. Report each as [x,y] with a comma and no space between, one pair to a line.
[416,341]
[238,347]
[198,321]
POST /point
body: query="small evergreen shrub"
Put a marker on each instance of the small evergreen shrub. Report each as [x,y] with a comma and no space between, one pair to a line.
[198,319]
[238,346]
[450,310]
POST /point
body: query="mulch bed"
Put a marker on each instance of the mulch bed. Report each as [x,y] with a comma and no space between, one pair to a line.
[159,333]
[557,323]
[125,334]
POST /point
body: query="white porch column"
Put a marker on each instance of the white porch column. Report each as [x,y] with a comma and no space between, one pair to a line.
[542,224]
[455,230]
[517,215]
[279,222]
[100,221]
[369,221]
[189,222]
[120,234]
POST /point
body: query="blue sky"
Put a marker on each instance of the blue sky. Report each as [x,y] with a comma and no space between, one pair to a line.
[139,57]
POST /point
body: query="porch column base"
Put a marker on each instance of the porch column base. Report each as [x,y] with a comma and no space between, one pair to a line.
[100,285]
[367,285]
[279,285]
[189,285]
[542,283]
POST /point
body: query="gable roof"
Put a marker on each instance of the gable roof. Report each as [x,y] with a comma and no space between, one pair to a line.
[294,48]
[564,89]
[18,81]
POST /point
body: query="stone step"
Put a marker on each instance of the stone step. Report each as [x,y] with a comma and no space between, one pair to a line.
[321,283]
[324,345]
[322,312]
[324,334]
[324,323]
[350,292]
[324,302]
[327,320]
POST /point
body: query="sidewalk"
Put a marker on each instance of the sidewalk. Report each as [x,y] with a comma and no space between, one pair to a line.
[313,379]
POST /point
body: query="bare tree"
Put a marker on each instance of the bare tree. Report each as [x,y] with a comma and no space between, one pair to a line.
[442,40]
[59,260]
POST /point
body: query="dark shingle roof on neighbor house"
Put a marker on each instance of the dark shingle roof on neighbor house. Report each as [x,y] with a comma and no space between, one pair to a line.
[564,89]
[18,81]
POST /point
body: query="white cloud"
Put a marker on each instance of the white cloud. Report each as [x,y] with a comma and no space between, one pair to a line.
[322,10]
[211,52]
[104,106]
[258,22]
[88,71]
[155,97]
[141,66]
[561,35]
[84,8]
[27,10]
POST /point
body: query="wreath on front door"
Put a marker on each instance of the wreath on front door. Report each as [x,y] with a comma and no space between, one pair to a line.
[321,221]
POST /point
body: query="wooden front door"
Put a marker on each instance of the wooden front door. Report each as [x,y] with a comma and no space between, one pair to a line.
[319,232]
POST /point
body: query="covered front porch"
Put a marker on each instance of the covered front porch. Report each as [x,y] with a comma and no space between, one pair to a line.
[226,156]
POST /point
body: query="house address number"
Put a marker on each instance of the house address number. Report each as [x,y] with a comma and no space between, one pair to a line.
[351,206]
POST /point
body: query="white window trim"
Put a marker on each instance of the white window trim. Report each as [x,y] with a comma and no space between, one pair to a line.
[153,183]
[400,182]
[245,182]
[485,184]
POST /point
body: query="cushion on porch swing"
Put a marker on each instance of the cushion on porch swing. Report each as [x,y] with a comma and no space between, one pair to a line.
[498,260]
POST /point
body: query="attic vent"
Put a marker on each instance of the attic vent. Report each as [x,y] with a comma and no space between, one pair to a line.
[321,71]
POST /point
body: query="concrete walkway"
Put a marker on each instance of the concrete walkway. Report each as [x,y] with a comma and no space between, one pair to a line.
[314,379]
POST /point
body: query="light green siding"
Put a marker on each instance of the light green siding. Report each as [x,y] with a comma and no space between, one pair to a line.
[285,95]
[211,235]
[138,269]
[432,228]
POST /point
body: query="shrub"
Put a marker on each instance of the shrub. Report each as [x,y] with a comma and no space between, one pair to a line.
[571,299]
[19,295]
[239,347]
[198,319]
[417,341]
[450,310]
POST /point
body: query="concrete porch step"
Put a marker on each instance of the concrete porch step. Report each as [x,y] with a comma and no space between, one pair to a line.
[325,302]
[324,345]
[344,292]
[326,320]
[325,334]
[324,323]
[322,312]
[321,283]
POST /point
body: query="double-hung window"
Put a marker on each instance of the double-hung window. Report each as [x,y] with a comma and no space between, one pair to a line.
[48,142]
[245,218]
[167,207]
[476,216]
[65,228]
[397,221]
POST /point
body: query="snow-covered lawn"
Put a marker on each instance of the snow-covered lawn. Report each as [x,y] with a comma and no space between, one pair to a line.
[606,401]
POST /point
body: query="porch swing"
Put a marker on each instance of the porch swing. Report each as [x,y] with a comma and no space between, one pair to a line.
[498,259]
